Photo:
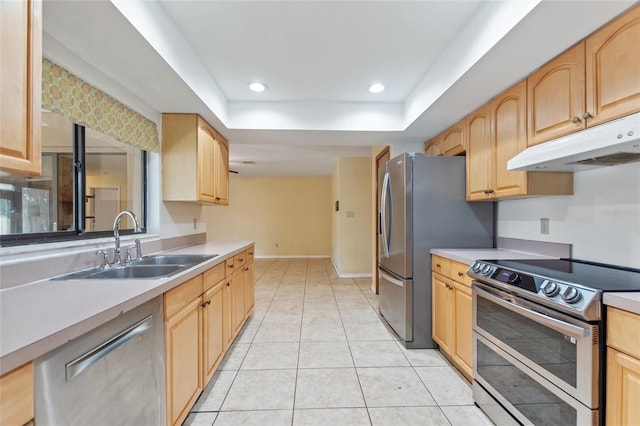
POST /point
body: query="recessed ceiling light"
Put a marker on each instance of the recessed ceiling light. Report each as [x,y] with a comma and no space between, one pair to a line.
[256,86]
[376,88]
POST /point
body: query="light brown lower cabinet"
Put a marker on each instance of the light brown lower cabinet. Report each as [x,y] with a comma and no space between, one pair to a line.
[183,344]
[451,312]
[202,317]
[16,396]
[623,368]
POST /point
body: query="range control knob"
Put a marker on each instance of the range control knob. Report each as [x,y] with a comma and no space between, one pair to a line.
[487,270]
[549,288]
[514,278]
[571,295]
[476,267]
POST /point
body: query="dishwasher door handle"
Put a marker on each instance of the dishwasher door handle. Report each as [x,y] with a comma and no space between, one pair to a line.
[78,365]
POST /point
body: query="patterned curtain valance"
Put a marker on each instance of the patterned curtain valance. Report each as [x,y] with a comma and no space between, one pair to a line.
[66,94]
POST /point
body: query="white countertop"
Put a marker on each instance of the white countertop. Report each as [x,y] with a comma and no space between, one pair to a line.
[38,317]
[629,301]
[468,256]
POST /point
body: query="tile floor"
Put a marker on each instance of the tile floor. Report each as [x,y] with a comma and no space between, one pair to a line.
[315,352]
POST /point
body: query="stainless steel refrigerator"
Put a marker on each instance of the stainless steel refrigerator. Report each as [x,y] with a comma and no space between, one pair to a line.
[422,206]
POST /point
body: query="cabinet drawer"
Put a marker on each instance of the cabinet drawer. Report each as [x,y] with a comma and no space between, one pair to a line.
[229,266]
[213,276]
[239,260]
[623,331]
[179,297]
[16,396]
[249,253]
[459,273]
[441,265]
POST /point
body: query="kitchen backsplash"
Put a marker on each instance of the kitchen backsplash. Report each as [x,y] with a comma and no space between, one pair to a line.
[601,220]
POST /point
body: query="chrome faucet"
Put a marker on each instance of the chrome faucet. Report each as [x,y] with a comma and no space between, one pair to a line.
[117,260]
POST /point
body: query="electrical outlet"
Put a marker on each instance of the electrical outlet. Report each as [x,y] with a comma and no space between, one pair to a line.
[544,225]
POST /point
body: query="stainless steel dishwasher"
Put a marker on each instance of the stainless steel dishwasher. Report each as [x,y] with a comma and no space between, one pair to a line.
[113,375]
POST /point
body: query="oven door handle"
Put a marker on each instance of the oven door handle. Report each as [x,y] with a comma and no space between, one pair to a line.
[558,325]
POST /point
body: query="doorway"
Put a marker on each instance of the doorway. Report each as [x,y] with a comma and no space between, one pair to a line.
[381,159]
[104,205]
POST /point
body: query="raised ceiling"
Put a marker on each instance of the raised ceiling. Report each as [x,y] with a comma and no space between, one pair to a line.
[439,60]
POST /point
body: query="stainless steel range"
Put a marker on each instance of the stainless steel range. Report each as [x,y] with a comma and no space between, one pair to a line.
[538,339]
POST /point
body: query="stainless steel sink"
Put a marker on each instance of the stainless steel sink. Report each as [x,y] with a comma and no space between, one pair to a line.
[159,266]
[138,272]
[174,259]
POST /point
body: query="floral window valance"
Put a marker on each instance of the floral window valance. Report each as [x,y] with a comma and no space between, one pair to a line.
[68,95]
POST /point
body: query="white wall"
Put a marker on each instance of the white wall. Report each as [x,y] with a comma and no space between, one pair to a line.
[601,219]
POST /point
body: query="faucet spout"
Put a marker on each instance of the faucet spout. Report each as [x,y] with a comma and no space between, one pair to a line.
[116,232]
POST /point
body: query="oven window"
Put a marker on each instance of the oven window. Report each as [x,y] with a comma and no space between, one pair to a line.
[548,348]
[530,398]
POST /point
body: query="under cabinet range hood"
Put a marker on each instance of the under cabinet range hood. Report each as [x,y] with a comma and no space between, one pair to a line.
[608,144]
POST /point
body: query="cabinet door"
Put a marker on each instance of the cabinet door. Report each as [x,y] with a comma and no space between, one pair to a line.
[16,396]
[442,313]
[509,130]
[433,148]
[555,96]
[182,340]
[222,172]
[227,307]
[213,343]
[20,86]
[206,163]
[249,287]
[462,334]
[613,69]
[479,154]
[623,388]
[237,300]
[453,142]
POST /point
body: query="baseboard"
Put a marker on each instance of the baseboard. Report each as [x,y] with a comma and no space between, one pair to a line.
[350,275]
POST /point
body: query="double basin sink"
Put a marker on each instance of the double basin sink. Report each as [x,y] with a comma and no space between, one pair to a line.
[149,267]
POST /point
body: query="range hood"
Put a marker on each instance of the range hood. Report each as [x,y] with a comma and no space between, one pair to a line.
[608,144]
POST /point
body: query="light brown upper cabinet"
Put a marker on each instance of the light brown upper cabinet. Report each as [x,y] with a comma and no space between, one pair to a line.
[480,164]
[453,139]
[595,81]
[20,86]
[449,142]
[495,134]
[433,148]
[195,161]
[509,132]
[556,97]
[613,69]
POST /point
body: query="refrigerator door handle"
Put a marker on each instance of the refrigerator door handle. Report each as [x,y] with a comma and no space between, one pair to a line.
[390,279]
[383,212]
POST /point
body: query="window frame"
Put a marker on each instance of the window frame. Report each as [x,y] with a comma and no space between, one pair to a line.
[79,232]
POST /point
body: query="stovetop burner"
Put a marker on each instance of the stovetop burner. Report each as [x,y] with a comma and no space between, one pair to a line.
[588,274]
[571,286]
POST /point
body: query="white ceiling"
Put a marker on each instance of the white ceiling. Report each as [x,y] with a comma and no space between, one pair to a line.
[439,60]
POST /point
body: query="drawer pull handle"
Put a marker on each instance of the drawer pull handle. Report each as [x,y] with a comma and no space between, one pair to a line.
[460,274]
[437,265]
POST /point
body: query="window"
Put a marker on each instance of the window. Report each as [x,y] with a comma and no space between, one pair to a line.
[87,178]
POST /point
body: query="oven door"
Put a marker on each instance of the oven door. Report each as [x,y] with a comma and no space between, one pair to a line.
[503,384]
[563,350]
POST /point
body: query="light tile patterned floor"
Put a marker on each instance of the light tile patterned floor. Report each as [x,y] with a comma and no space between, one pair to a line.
[315,352]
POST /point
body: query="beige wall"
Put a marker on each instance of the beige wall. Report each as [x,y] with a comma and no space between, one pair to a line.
[293,213]
[352,225]
[335,216]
